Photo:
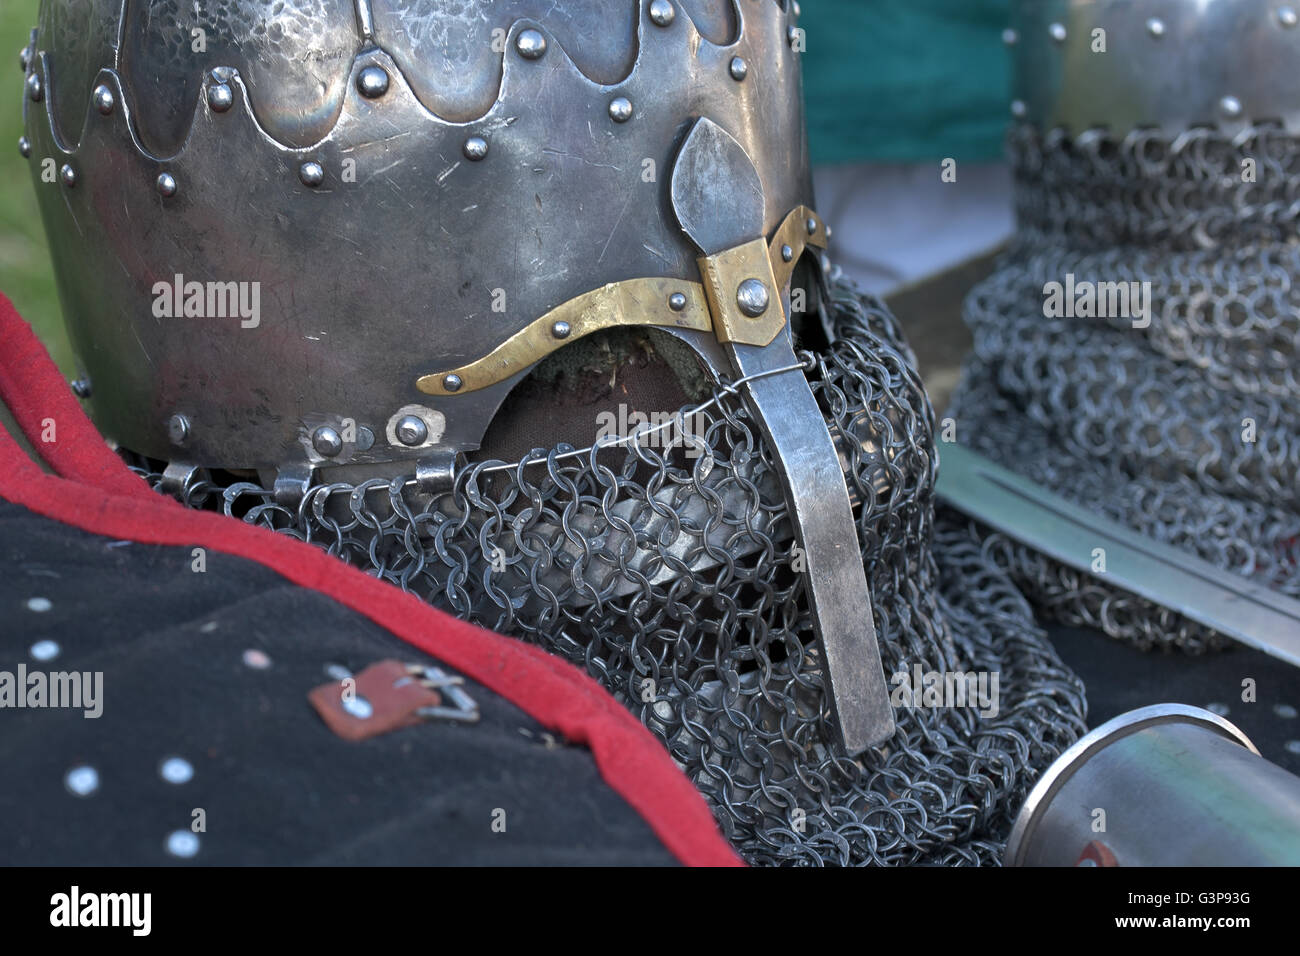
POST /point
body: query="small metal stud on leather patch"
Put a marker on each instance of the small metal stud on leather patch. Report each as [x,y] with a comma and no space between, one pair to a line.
[392,701]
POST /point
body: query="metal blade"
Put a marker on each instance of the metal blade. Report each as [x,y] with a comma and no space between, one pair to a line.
[1249,612]
[718,198]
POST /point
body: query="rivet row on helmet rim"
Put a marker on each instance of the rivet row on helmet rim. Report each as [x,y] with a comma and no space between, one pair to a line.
[373,81]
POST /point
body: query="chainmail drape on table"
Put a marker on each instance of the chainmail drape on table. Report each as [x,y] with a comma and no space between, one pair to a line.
[1148,426]
[673,580]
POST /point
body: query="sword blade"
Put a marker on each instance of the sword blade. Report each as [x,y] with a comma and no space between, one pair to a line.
[1235,606]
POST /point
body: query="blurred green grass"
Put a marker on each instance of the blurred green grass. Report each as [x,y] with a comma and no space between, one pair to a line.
[25,273]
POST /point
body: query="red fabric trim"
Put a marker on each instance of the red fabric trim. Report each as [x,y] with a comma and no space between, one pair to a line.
[99,494]
[34,390]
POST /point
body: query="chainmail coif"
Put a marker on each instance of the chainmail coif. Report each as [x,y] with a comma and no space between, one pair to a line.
[1151,427]
[674,581]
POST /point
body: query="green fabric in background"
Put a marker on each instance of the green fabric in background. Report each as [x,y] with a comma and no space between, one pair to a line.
[906,80]
[25,274]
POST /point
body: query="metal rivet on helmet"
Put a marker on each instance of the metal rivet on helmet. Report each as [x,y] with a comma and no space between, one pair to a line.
[739,68]
[1010,36]
[1057,32]
[373,82]
[220,97]
[787,254]
[68,175]
[34,89]
[1156,27]
[662,12]
[166,184]
[561,330]
[475,148]
[1287,16]
[752,297]
[103,98]
[24,57]
[327,441]
[620,109]
[411,430]
[24,147]
[311,173]
[677,302]
[530,44]
[1231,106]
[178,429]
[452,383]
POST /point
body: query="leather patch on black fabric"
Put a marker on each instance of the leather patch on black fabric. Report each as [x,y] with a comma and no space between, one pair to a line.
[381,698]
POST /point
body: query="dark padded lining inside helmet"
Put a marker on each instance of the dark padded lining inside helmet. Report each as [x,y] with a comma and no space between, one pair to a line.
[646,370]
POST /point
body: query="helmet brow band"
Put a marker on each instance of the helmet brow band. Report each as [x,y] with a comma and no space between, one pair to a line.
[658,301]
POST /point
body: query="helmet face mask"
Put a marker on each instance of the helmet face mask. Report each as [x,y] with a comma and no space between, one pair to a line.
[476,275]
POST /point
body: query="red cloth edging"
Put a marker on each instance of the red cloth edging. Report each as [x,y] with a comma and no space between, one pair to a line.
[99,494]
[34,390]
